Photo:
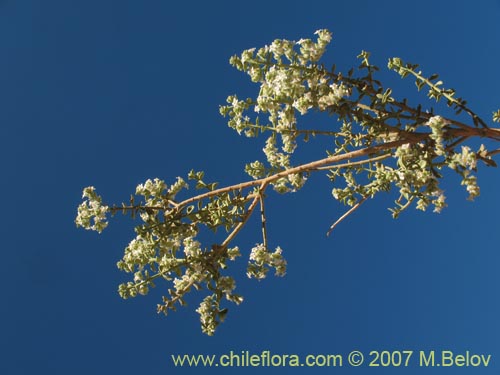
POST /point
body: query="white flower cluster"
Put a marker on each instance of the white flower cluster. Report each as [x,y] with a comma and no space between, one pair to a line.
[346,194]
[208,314]
[310,51]
[297,180]
[414,177]
[195,273]
[274,157]
[436,124]
[153,251]
[139,252]
[187,280]
[280,83]
[255,169]
[155,193]
[465,159]
[154,190]
[463,163]
[496,116]
[332,96]
[226,285]
[236,109]
[290,80]
[233,253]
[472,187]
[151,188]
[92,213]
[192,248]
[148,252]
[261,259]
[440,202]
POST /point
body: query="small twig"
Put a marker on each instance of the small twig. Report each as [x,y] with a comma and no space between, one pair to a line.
[312,132]
[494,152]
[162,273]
[457,142]
[136,207]
[351,210]
[181,293]
[367,108]
[173,203]
[263,219]
[351,164]
[449,97]
[245,219]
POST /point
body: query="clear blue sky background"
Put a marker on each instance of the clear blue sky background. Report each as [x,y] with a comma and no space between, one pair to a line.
[110,93]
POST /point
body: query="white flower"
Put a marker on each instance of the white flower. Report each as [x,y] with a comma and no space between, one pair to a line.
[333,96]
[247,55]
[261,259]
[207,311]
[324,36]
[92,213]
[191,247]
[182,283]
[439,203]
[436,123]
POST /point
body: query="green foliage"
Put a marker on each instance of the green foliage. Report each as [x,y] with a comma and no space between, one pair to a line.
[380,143]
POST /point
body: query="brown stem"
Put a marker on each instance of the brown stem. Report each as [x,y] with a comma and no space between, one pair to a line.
[263,219]
[351,210]
[245,219]
[303,168]
[354,163]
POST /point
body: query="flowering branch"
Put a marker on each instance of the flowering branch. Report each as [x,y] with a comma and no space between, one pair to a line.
[379,143]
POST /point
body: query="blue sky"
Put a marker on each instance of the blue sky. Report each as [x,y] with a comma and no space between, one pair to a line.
[110,93]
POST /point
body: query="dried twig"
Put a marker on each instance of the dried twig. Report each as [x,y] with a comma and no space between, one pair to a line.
[351,210]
